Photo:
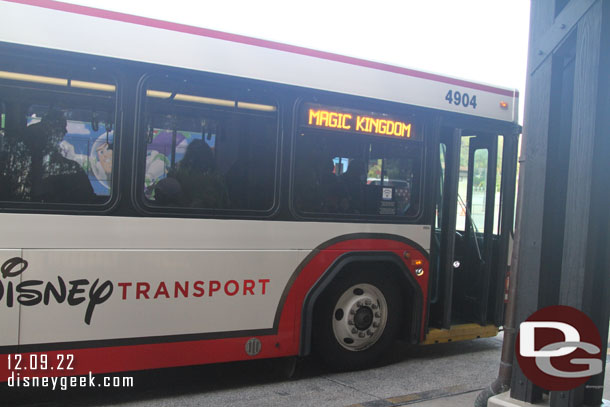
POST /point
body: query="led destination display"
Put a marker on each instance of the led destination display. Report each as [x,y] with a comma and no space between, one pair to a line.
[349,120]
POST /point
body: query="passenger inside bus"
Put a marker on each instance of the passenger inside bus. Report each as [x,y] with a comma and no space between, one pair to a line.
[37,170]
[53,177]
[194,182]
[353,181]
[318,188]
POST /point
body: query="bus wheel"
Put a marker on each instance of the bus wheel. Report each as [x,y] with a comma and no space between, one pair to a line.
[357,320]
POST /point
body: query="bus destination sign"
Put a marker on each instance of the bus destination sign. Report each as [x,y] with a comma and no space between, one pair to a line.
[354,121]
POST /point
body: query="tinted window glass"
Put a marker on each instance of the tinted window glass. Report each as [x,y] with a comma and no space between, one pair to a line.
[479,193]
[346,173]
[57,138]
[441,185]
[208,148]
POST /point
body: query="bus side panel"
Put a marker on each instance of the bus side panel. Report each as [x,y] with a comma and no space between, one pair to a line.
[110,294]
[9,317]
[116,310]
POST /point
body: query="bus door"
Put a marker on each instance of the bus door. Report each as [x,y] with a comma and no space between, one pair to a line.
[474,238]
[472,249]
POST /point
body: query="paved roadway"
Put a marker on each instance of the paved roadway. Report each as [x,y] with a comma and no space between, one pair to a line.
[411,374]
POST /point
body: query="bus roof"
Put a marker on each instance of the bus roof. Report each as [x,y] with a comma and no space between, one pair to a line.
[59,25]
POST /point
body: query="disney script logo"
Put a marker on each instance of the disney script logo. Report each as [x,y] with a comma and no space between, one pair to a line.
[33,292]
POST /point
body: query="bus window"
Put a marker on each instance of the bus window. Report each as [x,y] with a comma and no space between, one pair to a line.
[341,164]
[478,204]
[441,180]
[2,127]
[344,173]
[2,121]
[57,141]
[498,200]
[208,149]
[460,223]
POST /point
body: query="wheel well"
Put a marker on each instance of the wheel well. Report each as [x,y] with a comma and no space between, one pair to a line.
[378,262]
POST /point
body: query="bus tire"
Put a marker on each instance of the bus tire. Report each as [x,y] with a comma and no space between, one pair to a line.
[357,319]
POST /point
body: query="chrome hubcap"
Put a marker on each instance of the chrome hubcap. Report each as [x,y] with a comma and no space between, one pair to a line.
[360,316]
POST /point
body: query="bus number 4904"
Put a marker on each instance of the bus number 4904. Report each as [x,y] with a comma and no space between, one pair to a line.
[459,98]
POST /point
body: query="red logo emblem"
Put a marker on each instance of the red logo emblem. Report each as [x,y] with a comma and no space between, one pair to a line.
[559,348]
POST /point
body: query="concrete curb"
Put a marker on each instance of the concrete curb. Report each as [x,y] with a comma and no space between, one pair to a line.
[418,397]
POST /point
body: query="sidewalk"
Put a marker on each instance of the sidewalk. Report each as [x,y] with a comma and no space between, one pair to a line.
[450,396]
[468,399]
[456,396]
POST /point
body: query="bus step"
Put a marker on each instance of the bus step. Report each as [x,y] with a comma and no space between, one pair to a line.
[461,332]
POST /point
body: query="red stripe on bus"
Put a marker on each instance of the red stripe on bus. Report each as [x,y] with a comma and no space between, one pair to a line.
[204,32]
[173,354]
[139,357]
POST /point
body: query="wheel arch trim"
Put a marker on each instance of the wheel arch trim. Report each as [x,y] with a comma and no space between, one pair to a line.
[415,306]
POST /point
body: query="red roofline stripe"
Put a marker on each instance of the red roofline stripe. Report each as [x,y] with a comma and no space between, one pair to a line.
[204,32]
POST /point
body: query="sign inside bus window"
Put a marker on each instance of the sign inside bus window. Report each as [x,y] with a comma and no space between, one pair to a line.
[354,121]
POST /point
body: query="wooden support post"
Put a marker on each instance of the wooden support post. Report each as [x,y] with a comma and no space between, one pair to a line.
[564,224]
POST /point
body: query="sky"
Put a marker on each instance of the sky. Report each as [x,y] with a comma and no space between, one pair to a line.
[478,40]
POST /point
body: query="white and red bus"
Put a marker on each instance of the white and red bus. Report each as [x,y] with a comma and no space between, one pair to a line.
[172,195]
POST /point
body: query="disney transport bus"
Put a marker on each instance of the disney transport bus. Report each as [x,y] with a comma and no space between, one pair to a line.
[172,195]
